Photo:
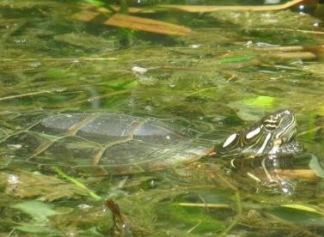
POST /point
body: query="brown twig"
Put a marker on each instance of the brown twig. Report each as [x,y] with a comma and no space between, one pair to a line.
[199,9]
[305,174]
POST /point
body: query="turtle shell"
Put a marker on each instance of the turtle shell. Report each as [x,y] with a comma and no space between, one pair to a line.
[102,143]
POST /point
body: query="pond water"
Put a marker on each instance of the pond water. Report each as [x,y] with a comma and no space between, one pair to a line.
[206,76]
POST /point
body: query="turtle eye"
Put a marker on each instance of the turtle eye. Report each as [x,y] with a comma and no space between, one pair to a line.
[282,124]
[271,123]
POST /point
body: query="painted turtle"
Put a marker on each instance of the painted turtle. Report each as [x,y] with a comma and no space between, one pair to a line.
[111,143]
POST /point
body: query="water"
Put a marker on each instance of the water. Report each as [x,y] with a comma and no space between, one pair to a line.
[233,68]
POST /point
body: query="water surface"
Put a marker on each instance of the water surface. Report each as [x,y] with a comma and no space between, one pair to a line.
[233,68]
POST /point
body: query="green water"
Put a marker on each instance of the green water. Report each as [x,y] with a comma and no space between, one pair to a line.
[225,74]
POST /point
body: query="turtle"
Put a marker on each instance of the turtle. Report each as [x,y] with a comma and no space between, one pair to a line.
[107,143]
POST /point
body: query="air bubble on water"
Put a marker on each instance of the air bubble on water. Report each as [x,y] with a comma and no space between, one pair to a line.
[59,89]
[139,70]
[84,206]
[35,64]
[316,24]
[271,2]
[20,41]
[13,179]
[195,46]
[14,146]
[249,44]
[148,108]
[146,80]
[152,183]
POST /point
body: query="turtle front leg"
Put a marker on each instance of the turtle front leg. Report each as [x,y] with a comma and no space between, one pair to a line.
[270,165]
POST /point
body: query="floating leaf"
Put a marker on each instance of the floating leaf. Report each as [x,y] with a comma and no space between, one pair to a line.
[36,229]
[260,101]
[316,166]
[122,84]
[251,109]
[38,210]
[303,208]
[192,217]
[97,3]
[299,214]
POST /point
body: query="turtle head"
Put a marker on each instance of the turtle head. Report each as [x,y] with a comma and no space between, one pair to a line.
[281,125]
[274,133]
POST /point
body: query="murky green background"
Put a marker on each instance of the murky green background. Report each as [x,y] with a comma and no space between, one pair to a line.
[220,78]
